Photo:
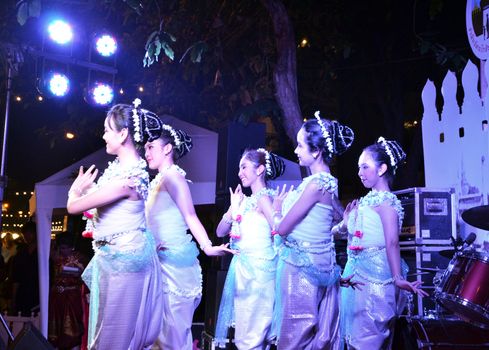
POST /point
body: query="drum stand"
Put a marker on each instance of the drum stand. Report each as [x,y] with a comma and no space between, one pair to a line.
[7,329]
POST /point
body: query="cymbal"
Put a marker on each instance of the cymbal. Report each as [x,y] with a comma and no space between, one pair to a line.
[430,269]
[417,274]
[477,217]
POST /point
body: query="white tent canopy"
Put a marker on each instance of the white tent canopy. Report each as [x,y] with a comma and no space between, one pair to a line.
[200,165]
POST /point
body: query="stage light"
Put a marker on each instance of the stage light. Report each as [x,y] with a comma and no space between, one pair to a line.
[100,95]
[60,32]
[70,135]
[106,45]
[141,88]
[18,98]
[58,84]
[40,98]
[121,91]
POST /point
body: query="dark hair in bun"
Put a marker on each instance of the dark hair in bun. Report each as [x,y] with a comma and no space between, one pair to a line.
[388,152]
[328,136]
[274,165]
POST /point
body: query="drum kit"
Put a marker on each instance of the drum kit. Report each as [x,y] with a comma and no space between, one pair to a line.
[461,294]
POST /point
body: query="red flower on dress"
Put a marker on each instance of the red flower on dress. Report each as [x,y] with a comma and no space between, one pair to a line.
[358,234]
[87,234]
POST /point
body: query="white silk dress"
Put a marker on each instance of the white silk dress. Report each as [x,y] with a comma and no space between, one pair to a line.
[368,315]
[249,291]
[123,275]
[181,272]
[307,302]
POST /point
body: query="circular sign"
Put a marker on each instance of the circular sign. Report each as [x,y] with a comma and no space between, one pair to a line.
[477,23]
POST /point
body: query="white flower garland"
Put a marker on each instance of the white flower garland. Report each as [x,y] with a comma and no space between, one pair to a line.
[173,134]
[387,149]
[155,183]
[136,172]
[268,165]
[325,133]
[135,119]
[375,198]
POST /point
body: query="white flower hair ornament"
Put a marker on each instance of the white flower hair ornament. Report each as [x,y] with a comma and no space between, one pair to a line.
[135,118]
[268,165]
[388,150]
[173,134]
[325,133]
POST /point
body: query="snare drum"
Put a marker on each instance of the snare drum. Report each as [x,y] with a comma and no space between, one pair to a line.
[464,287]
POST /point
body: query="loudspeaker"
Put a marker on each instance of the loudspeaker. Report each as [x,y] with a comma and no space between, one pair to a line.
[215,285]
[30,338]
[233,140]
[429,215]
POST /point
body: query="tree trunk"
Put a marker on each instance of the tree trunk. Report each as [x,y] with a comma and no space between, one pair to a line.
[285,75]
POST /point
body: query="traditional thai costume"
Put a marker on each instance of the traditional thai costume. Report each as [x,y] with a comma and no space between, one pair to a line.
[306,313]
[181,273]
[249,291]
[123,276]
[368,315]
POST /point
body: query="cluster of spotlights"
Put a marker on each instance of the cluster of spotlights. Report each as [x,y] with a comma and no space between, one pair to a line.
[57,83]
[61,33]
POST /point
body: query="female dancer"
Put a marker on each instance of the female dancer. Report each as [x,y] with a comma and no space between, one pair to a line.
[170,213]
[373,224]
[249,292]
[307,311]
[123,276]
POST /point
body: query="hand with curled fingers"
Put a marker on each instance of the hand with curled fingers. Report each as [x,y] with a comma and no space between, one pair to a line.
[280,197]
[414,287]
[84,180]
[348,282]
[219,250]
[236,197]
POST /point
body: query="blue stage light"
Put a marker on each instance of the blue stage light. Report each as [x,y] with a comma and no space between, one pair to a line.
[106,45]
[60,32]
[102,94]
[58,84]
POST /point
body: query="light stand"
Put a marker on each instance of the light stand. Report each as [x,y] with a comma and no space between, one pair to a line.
[3,178]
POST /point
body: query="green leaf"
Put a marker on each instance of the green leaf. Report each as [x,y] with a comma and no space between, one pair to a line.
[35,8]
[165,36]
[151,38]
[168,51]
[23,13]
[157,49]
[135,5]
[197,50]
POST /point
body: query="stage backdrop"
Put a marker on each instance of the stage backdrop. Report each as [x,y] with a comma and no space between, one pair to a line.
[456,144]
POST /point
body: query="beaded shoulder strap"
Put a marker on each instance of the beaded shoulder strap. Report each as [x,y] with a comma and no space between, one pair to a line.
[325,182]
